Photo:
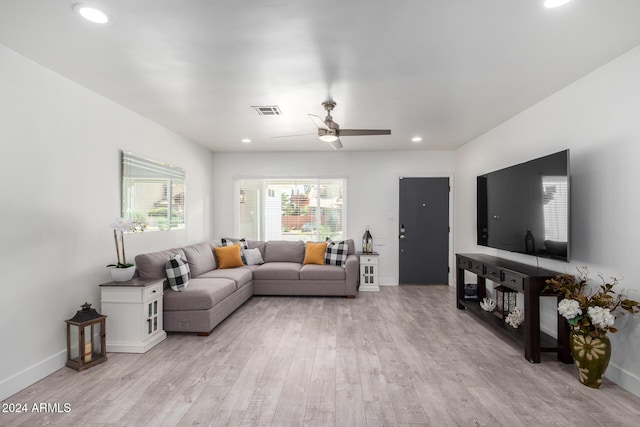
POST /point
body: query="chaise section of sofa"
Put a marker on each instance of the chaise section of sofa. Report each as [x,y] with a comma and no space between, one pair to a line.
[211,296]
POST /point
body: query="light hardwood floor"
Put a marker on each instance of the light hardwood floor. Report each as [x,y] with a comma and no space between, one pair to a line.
[403,356]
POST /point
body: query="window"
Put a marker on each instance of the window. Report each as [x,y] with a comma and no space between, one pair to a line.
[291,209]
[152,193]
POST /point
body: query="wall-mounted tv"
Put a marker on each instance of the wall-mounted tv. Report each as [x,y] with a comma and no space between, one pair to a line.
[525,208]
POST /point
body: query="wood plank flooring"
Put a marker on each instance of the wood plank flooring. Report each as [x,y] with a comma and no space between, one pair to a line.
[401,357]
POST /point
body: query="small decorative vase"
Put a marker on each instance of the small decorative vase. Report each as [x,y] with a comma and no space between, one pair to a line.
[122,274]
[591,355]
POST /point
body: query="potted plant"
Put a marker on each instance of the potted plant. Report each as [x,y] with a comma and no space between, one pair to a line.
[123,270]
[592,313]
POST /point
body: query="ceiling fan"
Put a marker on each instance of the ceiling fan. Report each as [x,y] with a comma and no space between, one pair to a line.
[329,131]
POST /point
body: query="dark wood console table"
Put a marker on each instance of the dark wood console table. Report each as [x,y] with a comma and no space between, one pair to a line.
[526,279]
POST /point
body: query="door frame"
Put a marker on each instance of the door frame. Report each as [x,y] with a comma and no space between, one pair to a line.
[450,257]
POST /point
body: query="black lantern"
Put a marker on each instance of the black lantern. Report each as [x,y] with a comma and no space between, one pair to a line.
[367,242]
[86,339]
[505,301]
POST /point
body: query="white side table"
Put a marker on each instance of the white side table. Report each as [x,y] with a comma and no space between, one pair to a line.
[368,272]
[134,310]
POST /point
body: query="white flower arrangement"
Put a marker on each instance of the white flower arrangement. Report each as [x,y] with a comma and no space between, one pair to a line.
[120,226]
[601,317]
[588,308]
[569,308]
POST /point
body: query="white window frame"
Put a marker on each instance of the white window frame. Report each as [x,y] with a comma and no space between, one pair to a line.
[261,228]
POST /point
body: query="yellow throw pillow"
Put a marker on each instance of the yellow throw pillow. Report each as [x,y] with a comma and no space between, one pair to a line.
[314,253]
[228,256]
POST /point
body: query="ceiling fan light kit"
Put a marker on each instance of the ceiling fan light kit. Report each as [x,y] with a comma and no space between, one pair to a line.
[327,137]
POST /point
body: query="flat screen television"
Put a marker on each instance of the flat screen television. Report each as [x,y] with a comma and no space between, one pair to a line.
[525,208]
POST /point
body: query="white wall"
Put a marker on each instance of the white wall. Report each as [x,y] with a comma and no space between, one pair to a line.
[372,188]
[597,119]
[61,189]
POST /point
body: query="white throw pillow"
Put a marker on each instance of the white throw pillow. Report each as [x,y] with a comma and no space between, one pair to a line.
[252,256]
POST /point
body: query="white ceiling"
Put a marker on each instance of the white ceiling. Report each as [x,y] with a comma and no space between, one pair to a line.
[447,70]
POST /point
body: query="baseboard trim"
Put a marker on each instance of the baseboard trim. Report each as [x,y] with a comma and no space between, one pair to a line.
[31,375]
[135,346]
[623,378]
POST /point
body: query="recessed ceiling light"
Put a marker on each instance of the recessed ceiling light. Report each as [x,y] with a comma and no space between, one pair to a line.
[92,14]
[416,139]
[245,140]
[550,4]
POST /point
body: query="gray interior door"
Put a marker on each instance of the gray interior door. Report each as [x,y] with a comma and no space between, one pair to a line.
[424,230]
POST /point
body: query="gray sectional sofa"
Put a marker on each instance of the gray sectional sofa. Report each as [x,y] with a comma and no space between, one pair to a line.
[213,293]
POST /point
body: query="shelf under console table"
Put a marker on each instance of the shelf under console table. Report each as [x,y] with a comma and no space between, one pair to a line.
[525,279]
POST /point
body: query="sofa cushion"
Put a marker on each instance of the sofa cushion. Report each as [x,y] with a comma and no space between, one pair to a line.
[322,272]
[277,271]
[314,253]
[228,256]
[336,252]
[241,276]
[284,251]
[200,258]
[151,265]
[202,294]
[178,273]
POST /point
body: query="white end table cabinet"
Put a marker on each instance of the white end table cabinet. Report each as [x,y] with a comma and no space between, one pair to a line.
[368,272]
[134,310]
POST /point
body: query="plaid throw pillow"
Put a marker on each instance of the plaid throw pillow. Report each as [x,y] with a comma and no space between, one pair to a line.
[227,241]
[230,242]
[336,253]
[178,273]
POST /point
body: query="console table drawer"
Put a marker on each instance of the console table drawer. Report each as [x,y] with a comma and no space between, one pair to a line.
[464,263]
[477,267]
[512,280]
[493,273]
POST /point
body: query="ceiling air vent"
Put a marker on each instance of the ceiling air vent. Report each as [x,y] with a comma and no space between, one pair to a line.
[267,110]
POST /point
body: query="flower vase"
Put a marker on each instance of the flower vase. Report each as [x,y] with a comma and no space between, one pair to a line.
[591,355]
[122,274]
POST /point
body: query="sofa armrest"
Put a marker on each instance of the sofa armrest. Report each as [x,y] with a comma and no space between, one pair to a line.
[352,268]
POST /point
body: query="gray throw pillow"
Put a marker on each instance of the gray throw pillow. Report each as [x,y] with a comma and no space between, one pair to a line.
[252,256]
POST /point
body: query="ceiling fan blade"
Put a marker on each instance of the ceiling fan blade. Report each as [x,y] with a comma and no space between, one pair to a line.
[336,144]
[356,132]
[318,122]
[298,134]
